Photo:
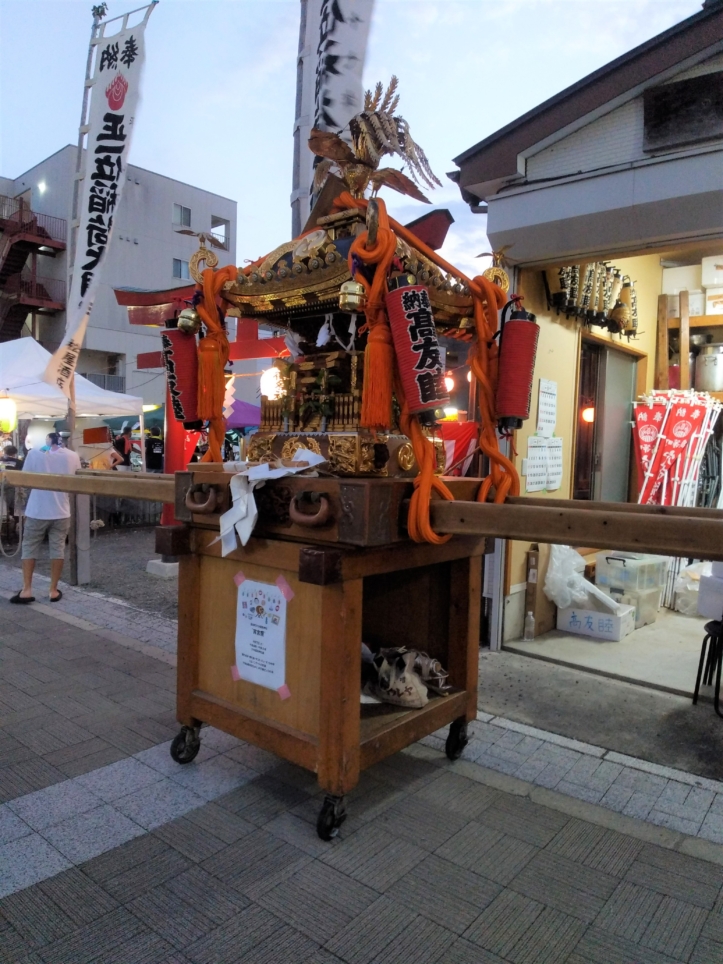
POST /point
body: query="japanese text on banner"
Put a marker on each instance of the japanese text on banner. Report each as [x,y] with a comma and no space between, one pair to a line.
[114,100]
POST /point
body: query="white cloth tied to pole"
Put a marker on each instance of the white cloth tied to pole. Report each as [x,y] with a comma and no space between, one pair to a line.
[241,518]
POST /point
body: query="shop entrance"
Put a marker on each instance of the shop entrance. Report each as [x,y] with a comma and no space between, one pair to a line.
[676,343]
[604,411]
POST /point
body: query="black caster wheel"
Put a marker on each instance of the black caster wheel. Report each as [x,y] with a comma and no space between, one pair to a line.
[457,739]
[186,745]
[331,816]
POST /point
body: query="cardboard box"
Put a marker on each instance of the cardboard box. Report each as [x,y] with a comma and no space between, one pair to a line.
[710,597]
[714,301]
[536,602]
[602,626]
[687,278]
[711,271]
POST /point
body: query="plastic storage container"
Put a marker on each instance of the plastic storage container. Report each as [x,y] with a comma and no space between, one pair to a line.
[623,572]
[646,603]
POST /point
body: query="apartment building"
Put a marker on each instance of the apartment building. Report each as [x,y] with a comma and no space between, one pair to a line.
[149,250]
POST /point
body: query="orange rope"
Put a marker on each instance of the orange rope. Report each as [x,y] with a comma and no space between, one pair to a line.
[487,298]
[379,354]
[379,370]
[212,357]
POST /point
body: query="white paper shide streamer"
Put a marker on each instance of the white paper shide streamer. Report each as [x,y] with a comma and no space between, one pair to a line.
[114,100]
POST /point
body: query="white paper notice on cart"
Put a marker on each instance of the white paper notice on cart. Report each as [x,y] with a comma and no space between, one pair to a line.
[547,408]
[554,464]
[261,633]
[536,479]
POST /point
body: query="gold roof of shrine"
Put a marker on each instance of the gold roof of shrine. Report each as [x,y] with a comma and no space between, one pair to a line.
[307,273]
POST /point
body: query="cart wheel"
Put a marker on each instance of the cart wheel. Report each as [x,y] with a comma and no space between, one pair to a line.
[186,745]
[457,739]
[331,816]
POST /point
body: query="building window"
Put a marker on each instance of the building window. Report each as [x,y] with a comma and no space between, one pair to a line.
[221,231]
[180,269]
[181,216]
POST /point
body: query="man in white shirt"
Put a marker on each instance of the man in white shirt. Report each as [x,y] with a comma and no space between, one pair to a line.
[46,512]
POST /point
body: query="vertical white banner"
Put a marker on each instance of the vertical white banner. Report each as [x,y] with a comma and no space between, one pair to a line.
[329,86]
[114,100]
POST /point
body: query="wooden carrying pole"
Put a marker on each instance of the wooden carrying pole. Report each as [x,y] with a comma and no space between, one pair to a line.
[680,531]
[154,488]
[695,533]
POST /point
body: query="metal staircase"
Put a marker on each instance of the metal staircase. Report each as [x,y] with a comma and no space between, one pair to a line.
[25,234]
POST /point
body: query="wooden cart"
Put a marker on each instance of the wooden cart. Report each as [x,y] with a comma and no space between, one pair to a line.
[355,578]
[396,594]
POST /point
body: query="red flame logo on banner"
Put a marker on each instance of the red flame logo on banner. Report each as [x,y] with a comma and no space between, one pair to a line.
[116,92]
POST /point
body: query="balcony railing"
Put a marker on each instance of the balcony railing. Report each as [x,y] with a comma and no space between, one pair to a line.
[16,218]
[47,290]
[112,383]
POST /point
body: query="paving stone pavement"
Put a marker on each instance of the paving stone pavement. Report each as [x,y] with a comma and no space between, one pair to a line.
[635,788]
[109,852]
[103,611]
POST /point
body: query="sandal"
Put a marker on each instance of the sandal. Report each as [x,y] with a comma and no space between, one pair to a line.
[19,600]
[57,598]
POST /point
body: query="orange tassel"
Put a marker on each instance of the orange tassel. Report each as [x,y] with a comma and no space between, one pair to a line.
[379,358]
[212,357]
[376,411]
[211,383]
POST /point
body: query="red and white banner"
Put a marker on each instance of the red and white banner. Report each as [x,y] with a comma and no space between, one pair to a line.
[460,441]
[114,100]
[671,430]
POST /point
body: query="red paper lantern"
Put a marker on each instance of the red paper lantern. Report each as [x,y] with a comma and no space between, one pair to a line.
[417,348]
[518,349]
[180,354]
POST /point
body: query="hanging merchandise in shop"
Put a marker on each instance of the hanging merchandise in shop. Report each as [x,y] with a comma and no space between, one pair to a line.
[596,294]
[671,432]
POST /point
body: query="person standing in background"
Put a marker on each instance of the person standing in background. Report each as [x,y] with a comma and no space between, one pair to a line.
[124,446]
[46,513]
[154,451]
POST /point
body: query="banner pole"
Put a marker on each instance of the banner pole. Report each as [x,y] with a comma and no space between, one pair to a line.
[98,14]
[73,531]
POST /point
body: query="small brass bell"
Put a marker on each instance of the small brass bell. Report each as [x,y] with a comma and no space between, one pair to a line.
[352,296]
[189,321]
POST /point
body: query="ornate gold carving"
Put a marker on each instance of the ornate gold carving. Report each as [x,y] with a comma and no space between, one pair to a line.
[498,276]
[261,448]
[366,456]
[439,452]
[294,291]
[300,441]
[405,457]
[343,454]
[203,254]
[310,244]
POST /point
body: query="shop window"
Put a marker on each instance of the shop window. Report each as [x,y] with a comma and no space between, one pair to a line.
[181,216]
[180,269]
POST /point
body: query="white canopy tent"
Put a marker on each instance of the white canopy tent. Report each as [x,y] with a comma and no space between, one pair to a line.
[22,363]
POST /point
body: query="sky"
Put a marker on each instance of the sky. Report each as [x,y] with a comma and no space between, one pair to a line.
[220,80]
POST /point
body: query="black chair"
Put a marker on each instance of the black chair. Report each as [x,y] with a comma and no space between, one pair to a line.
[713,641]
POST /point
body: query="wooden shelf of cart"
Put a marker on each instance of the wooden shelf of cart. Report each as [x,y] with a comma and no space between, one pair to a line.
[426,597]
